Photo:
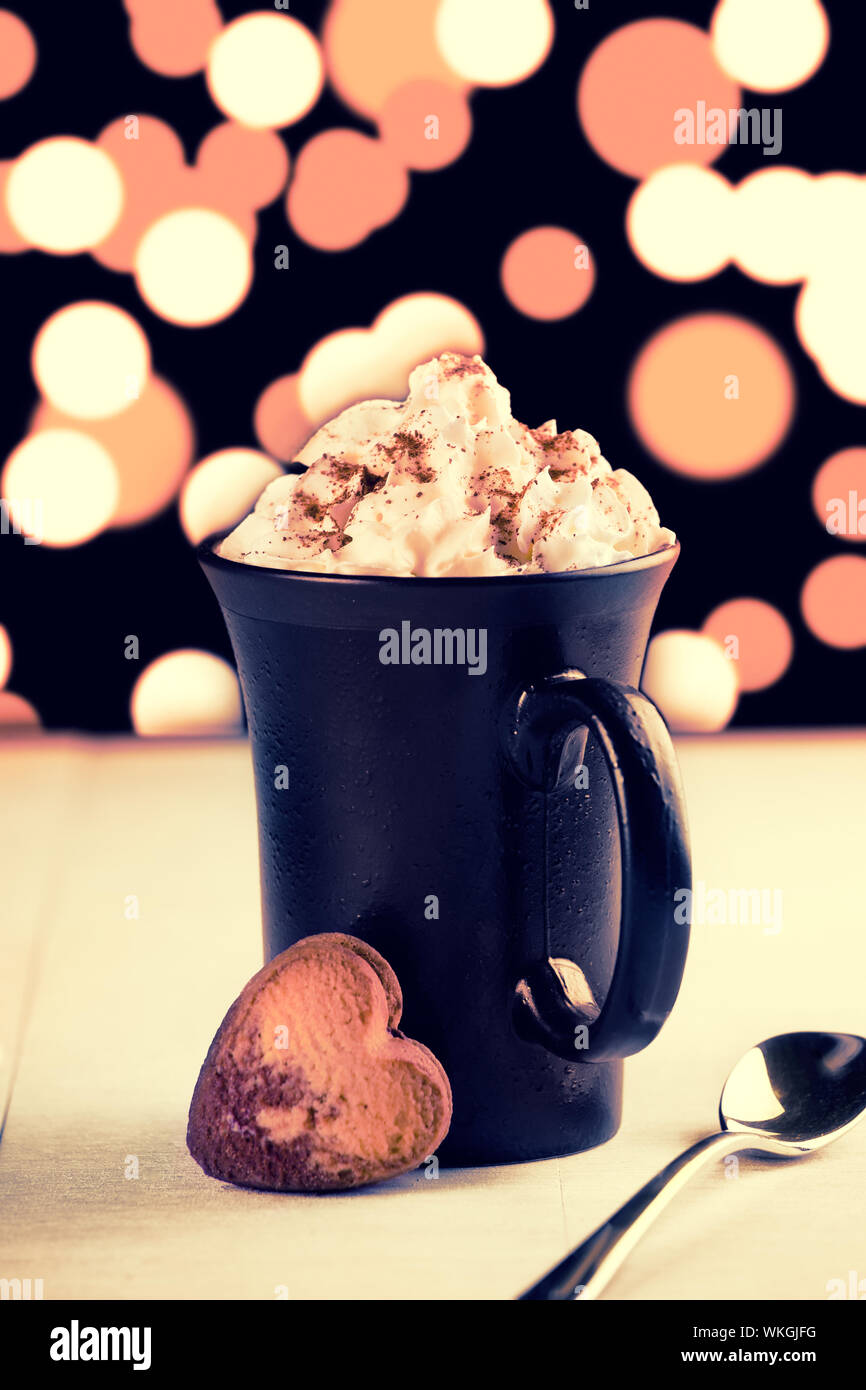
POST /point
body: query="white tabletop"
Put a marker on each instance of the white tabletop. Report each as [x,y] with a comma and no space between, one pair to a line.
[105,1019]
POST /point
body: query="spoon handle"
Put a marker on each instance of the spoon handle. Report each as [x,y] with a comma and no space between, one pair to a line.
[589,1268]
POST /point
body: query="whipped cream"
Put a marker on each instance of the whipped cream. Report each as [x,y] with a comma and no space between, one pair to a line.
[447,484]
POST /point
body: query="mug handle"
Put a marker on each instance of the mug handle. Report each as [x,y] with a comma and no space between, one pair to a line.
[546,736]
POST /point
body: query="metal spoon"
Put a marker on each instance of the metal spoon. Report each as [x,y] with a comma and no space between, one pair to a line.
[784,1098]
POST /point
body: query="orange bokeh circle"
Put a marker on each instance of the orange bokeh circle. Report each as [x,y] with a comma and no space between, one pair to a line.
[548,273]
[168,44]
[756,637]
[345,186]
[17,54]
[426,124]
[253,164]
[833,601]
[373,47]
[711,395]
[839,494]
[280,421]
[634,83]
[16,713]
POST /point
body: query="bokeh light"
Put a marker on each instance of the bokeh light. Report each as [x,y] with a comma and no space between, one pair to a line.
[170,39]
[691,680]
[280,421]
[679,222]
[345,186]
[5,655]
[711,395]
[374,47]
[838,224]
[265,70]
[548,273]
[367,363]
[831,322]
[151,160]
[193,266]
[494,42]
[833,601]
[186,692]
[839,494]
[755,637]
[17,715]
[222,488]
[64,195]
[237,170]
[151,445]
[17,54]
[636,81]
[60,487]
[91,359]
[11,240]
[770,45]
[780,225]
[426,125]
[773,236]
[252,165]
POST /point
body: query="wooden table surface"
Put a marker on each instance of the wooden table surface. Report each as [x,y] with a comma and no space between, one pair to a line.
[105,1017]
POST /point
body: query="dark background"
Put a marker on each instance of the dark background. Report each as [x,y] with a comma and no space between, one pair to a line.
[527,164]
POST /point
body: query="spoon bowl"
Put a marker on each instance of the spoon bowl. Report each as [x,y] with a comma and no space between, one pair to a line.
[799,1090]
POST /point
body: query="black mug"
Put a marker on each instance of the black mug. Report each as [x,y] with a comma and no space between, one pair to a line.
[462,773]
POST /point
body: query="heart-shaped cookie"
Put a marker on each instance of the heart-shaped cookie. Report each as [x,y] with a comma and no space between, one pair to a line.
[309,1086]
